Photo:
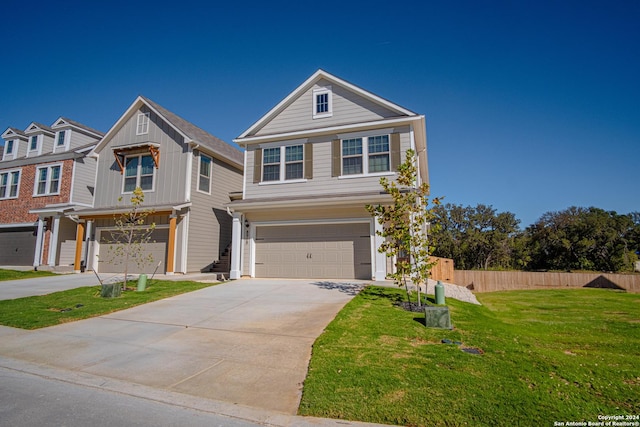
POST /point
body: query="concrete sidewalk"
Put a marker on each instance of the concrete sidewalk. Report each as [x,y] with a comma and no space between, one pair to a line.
[246,343]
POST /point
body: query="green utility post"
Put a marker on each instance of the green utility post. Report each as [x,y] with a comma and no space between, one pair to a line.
[142,282]
[439,293]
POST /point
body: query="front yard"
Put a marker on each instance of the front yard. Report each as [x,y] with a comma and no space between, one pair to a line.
[547,356]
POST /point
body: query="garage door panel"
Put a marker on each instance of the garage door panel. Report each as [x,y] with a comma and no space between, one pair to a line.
[17,246]
[313,251]
[110,262]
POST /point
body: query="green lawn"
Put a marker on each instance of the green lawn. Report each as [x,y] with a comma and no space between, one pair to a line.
[14,274]
[556,355]
[81,303]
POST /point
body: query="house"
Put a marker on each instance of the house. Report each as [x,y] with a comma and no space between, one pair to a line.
[186,175]
[312,164]
[44,175]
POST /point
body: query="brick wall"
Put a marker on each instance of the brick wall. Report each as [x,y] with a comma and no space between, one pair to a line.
[17,210]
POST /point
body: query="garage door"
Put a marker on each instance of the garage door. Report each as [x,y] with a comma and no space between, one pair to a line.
[335,251]
[17,246]
[110,262]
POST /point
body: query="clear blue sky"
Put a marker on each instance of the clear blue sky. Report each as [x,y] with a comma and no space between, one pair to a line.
[531,106]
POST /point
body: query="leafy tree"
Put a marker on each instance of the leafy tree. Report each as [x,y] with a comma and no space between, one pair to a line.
[404,225]
[475,237]
[583,239]
[127,240]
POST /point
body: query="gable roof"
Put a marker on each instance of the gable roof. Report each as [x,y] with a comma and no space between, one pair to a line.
[190,132]
[63,121]
[36,127]
[11,133]
[307,84]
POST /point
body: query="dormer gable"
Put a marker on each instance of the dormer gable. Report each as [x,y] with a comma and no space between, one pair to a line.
[324,100]
[71,134]
[13,139]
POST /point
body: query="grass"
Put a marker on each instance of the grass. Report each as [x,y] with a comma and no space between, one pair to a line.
[82,303]
[550,355]
[15,275]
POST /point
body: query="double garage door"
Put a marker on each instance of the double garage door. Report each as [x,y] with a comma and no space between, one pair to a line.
[330,251]
[17,246]
[110,260]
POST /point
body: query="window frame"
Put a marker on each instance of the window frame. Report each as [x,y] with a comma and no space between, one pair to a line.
[282,164]
[6,154]
[138,175]
[202,156]
[321,92]
[38,149]
[365,156]
[9,184]
[142,124]
[47,181]
[66,137]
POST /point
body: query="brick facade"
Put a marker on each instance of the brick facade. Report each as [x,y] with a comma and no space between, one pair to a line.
[13,211]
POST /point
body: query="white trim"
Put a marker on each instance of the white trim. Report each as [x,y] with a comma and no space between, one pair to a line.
[365,134]
[37,256]
[289,181]
[47,182]
[73,180]
[365,157]
[14,149]
[366,175]
[66,141]
[184,243]
[138,173]
[327,130]
[53,241]
[17,225]
[236,247]
[188,178]
[142,123]
[245,176]
[283,165]
[39,143]
[9,172]
[318,92]
[379,260]
[200,154]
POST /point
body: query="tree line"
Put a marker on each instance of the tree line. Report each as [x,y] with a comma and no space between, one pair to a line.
[573,239]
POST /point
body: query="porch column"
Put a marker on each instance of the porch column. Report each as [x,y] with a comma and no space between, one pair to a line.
[171,250]
[79,239]
[380,273]
[53,240]
[236,246]
[37,256]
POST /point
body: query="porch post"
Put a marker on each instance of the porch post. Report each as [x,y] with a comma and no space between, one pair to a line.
[171,250]
[236,246]
[380,258]
[79,239]
[53,240]
[37,256]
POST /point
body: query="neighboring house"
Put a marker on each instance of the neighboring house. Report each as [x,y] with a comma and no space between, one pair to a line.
[312,164]
[186,175]
[44,175]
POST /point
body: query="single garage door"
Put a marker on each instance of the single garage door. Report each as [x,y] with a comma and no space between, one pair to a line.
[333,251]
[17,246]
[110,262]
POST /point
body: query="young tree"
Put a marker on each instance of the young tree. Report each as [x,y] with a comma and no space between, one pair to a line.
[405,223]
[127,240]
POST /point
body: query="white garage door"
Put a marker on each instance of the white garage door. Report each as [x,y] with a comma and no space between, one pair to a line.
[17,246]
[332,251]
[109,260]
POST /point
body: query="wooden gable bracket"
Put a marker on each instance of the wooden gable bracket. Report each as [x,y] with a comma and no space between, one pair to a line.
[155,154]
[120,154]
[120,160]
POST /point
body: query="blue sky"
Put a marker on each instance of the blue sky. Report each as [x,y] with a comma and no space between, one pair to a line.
[531,106]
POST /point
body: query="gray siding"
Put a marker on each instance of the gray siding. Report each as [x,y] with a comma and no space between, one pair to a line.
[67,242]
[79,139]
[209,222]
[84,181]
[348,108]
[322,182]
[170,176]
[47,144]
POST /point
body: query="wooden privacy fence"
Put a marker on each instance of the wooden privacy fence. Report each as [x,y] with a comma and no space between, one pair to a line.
[490,281]
[442,270]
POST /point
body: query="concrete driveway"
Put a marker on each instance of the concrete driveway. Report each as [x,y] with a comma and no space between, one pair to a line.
[12,289]
[246,342]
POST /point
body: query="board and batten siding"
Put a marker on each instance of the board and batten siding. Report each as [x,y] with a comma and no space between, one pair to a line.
[348,107]
[323,182]
[84,181]
[169,183]
[209,222]
[66,242]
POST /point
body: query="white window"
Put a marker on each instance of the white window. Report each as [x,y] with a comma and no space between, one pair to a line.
[9,150]
[283,163]
[142,127]
[366,155]
[204,174]
[322,102]
[139,171]
[9,184]
[34,145]
[47,180]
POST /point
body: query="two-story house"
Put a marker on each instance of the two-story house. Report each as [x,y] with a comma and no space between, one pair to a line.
[186,175]
[44,175]
[312,164]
